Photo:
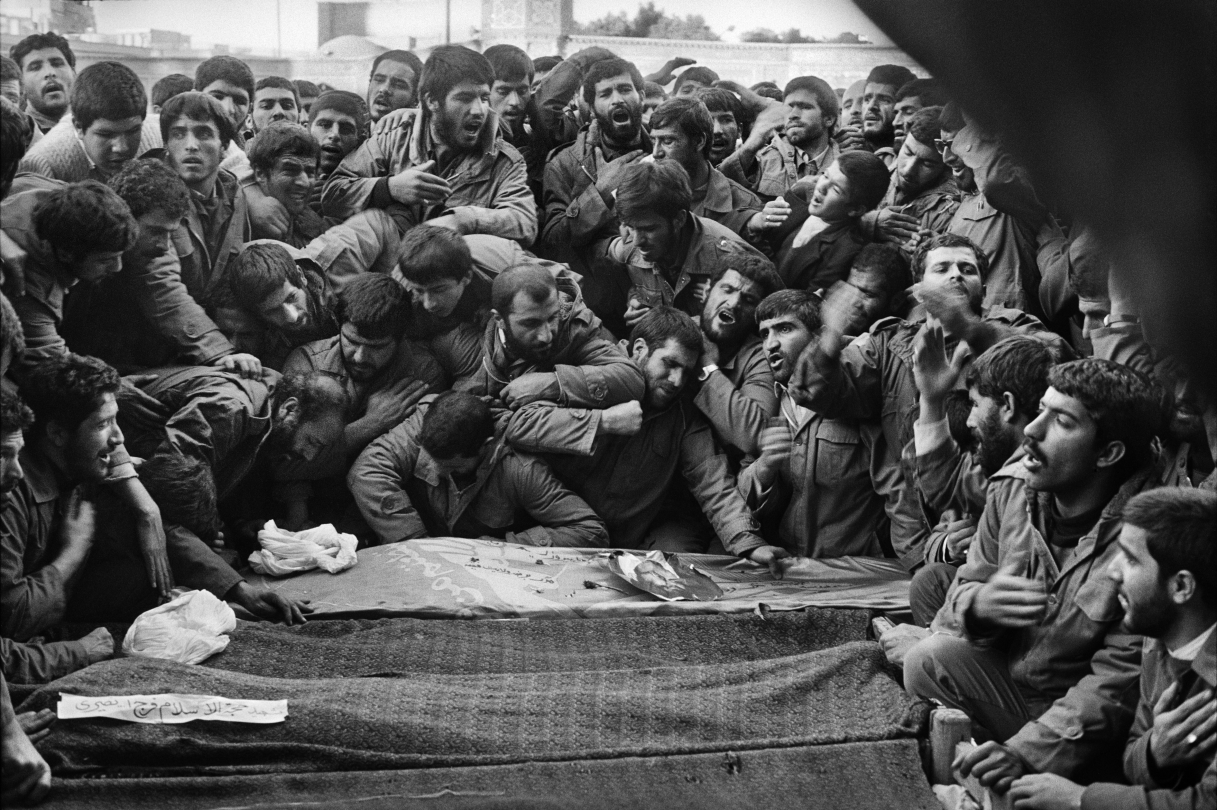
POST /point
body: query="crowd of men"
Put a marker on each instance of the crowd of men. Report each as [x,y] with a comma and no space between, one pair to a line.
[552,302]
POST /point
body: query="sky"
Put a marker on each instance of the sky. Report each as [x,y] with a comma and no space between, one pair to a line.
[820,18]
[251,23]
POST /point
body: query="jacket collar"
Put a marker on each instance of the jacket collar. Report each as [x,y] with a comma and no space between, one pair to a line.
[1204,664]
[43,481]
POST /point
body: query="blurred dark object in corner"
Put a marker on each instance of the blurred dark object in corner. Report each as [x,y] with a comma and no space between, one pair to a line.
[1110,104]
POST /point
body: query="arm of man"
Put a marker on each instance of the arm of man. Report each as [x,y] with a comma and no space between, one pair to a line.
[563,518]
[543,427]
[41,663]
[847,385]
[946,476]
[368,242]
[600,376]
[40,324]
[982,563]
[1097,710]
[32,601]
[705,469]
[511,212]
[740,414]
[377,481]
[360,180]
[164,301]
[575,211]
[195,565]
[906,518]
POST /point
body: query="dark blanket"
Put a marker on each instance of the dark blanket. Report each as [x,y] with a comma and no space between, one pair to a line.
[394,647]
[852,776]
[837,695]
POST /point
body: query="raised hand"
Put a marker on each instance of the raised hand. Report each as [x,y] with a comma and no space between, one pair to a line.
[776,441]
[895,227]
[934,374]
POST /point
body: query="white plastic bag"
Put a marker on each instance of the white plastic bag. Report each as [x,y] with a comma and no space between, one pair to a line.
[188,629]
[286,552]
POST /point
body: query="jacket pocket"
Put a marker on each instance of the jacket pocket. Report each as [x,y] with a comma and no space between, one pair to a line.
[836,449]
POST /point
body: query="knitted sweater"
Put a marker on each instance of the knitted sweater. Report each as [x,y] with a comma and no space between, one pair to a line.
[61,155]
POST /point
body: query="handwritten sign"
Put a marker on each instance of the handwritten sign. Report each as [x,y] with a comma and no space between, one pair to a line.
[159,709]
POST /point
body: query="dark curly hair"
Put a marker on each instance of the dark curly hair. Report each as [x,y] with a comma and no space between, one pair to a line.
[1125,404]
[456,424]
[659,188]
[66,389]
[148,185]
[108,90]
[12,337]
[85,217]
[374,304]
[279,139]
[15,415]
[661,324]
[38,42]
[948,240]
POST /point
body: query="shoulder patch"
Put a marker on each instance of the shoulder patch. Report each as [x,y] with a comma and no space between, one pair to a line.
[393,503]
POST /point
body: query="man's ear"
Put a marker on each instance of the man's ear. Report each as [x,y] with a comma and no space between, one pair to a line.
[1110,455]
[856,211]
[429,103]
[288,407]
[1181,587]
[679,220]
[639,351]
[1008,408]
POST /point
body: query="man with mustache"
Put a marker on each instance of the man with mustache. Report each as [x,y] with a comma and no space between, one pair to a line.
[681,130]
[1005,385]
[922,193]
[38,662]
[393,83]
[48,529]
[447,166]
[284,160]
[106,128]
[879,109]
[542,343]
[337,122]
[819,485]
[770,163]
[727,114]
[916,95]
[623,460]
[668,255]
[1165,575]
[1031,641]
[384,375]
[446,472]
[871,377]
[735,387]
[48,70]
[580,179]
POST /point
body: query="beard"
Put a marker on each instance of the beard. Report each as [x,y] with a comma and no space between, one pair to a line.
[621,131]
[994,446]
[1152,619]
[450,131]
[539,356]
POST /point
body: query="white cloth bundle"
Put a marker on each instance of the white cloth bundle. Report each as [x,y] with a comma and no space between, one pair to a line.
[188,629]
[286,552]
